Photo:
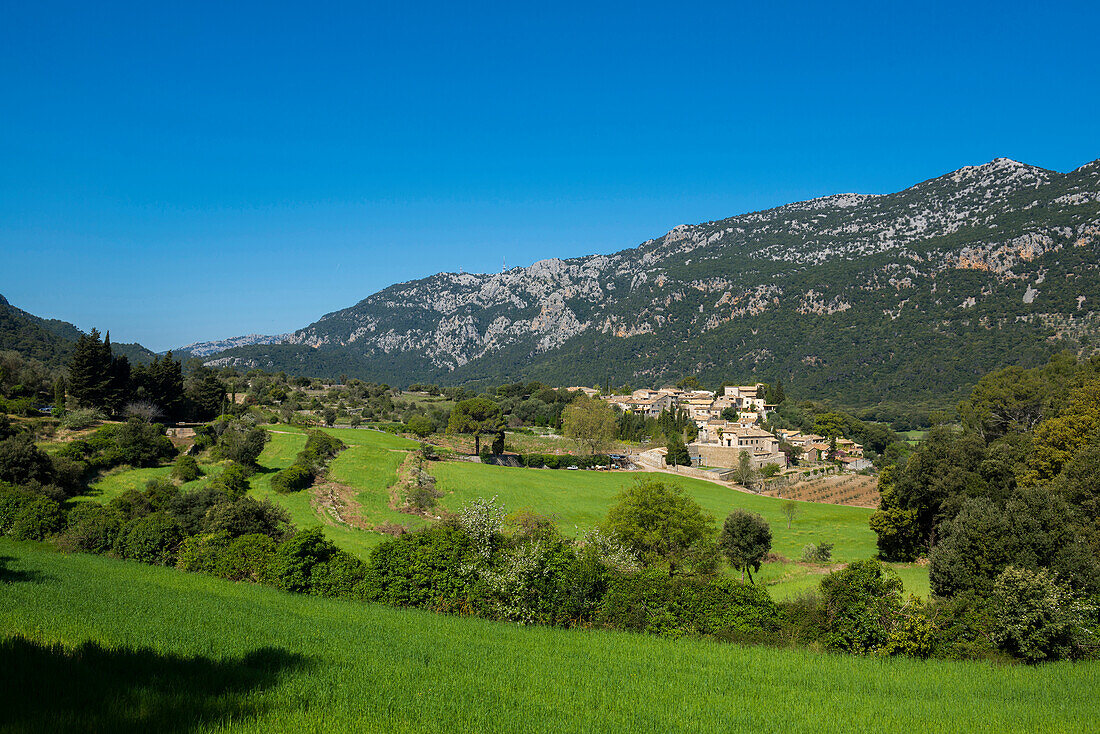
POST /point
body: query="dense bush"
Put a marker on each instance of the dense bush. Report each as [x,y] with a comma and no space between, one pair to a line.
[92,528]
[541,580]
[153,538]
[421,569]
[161,493]
[21,462]
[421,425]
[291,568]
[862,603]
[12,501]
[190,508]
[37,519]
[1037,618]
[319,448]
[292,479]
[308,464]
[674,606]
[186,469]
[132,504]
[237,559]
[133,443]
[233,480]
[247,516]
[239,442]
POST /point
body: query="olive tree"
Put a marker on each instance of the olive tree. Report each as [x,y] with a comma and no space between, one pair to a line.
[590,422]
[745,539]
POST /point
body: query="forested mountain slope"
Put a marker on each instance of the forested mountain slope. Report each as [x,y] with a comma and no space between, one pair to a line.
[856,298]
[50,341]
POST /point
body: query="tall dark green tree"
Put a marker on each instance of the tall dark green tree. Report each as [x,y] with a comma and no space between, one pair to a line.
[678,454]
[161,383]
[90,371]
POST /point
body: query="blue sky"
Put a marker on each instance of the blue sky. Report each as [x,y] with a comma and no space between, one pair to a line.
[185,171]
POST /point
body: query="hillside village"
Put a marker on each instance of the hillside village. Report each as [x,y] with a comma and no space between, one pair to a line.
[721,441]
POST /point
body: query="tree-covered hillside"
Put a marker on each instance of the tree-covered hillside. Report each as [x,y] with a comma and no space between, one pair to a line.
[50,341]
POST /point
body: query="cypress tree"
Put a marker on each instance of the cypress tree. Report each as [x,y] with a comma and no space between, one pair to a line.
[89,371]
[59,397]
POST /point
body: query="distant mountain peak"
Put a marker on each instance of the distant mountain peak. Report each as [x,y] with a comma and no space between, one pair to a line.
[871,296]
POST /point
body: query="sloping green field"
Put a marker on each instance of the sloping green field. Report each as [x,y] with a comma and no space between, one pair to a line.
[581,499]
[94,644]
[576,499]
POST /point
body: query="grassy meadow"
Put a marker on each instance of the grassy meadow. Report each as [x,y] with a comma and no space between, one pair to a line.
[576,499]
[580,499]
[95,644]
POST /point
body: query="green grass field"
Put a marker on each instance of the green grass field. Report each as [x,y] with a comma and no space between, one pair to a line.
[577,499]
[580,499]
[94,644]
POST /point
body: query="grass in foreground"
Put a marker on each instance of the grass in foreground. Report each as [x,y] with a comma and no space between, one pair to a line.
[94,644]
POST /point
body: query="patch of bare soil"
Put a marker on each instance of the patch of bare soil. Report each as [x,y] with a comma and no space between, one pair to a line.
[336,503]
[843,489]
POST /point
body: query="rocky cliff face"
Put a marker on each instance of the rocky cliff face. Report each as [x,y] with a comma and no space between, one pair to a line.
[1003,248]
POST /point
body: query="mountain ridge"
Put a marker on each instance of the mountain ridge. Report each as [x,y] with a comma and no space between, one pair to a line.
[694,301]
[51,341]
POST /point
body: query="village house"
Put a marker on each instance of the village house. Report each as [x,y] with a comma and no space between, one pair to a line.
[721,441]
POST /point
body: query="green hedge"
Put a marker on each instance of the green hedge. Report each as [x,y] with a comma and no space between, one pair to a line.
[675,606]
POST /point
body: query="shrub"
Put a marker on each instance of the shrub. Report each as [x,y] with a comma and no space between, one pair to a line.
[770,470]
[12,500]
[199,553]
[421,426]
[154,539]
[292,479]
[233,480]
[319,448]
[247,516]
[245,558]
[817,553]
[240,443]
[76,420]
[190,508]
[675,606]
[92,528]
[1037,617]
[37,519]
[186,469]
[291,567]
[421,569]
[21,462]
[132,504]
[160,492]
[134,442]
[542,579]
[862,603]
[338,576]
